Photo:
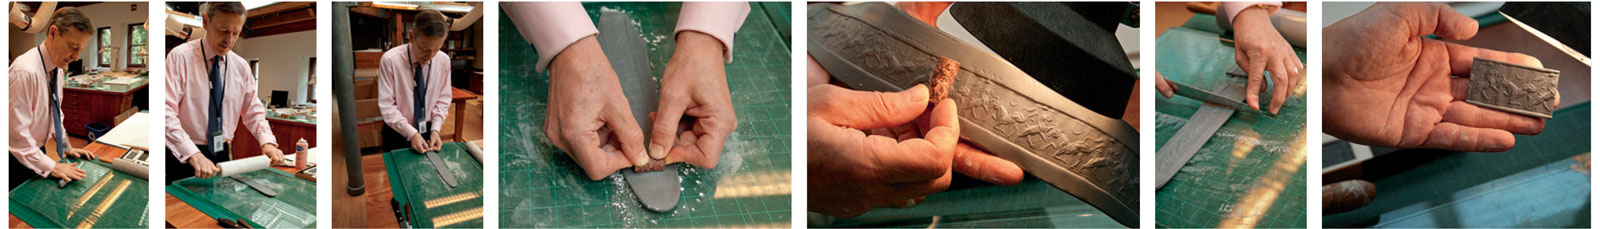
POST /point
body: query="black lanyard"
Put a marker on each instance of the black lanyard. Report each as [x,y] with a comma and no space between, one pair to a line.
[221,63]
[47,71]
[42,61]
[408,61]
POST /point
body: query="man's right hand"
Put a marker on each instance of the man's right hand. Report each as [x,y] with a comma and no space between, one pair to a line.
[1387,85]
[853,171]
[588,116]
[419,145]
[67,171]
[203,168]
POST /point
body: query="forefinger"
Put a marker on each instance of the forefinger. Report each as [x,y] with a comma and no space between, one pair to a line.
[1461,58]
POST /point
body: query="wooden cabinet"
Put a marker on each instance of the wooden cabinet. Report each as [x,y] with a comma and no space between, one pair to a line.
[81,106]
[287,133]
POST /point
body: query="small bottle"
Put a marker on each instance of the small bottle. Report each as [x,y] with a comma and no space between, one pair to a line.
[300,154]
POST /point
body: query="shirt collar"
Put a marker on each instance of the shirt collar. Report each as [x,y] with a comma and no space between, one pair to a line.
[205,49]
[48,63]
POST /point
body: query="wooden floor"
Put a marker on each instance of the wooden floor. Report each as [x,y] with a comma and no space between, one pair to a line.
[369,210]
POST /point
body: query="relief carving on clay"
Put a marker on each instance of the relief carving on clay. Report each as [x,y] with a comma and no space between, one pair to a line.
[1513,88]
[896,62]
[1071,143]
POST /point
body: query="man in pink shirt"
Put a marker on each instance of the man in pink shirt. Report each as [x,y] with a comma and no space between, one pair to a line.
[414,86]
[210,92]
[586,100]
[36,78]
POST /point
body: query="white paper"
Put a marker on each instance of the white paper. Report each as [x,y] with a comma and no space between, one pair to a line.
[132,132]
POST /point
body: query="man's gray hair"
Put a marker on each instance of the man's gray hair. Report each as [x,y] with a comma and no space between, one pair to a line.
[71,17]
[431,23]
[224,8]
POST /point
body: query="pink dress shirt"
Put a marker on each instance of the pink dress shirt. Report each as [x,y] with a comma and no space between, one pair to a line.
[552,26]
[188,99]
[31,125]
[1232,8]
[396,83]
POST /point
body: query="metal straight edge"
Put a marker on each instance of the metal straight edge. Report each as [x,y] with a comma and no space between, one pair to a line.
[620,40]
[1001,108]
[1206,96]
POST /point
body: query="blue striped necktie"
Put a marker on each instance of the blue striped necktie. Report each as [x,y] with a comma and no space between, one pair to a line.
[421,93]
[214,119]
[55,116]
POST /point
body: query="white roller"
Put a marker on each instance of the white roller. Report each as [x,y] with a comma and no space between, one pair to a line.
[477,153]
[244,165]
[131,167]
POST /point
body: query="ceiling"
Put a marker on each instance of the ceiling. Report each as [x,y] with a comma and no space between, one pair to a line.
[272,19]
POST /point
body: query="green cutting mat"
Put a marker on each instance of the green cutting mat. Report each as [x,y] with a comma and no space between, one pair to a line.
[103,198]
[1252,172]
[542,187]
[432,202]
[294,207]
[1533,185]
[1030,204]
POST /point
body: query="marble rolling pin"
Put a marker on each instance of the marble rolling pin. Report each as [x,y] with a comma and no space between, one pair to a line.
[131,167]
[245,165]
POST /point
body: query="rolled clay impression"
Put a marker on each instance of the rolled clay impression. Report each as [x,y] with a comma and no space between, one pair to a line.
[1347,195]
[654,165]
[944,75]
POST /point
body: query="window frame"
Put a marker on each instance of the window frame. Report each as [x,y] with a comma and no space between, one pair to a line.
[100,39]
[146,45]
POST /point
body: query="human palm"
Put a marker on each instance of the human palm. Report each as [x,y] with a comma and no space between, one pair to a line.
[1387,85]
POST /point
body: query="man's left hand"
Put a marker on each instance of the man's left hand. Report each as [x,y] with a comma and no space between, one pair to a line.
[694,90]
[272,152]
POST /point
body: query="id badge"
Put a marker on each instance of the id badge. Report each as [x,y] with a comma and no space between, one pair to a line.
[216,142]
[423,128]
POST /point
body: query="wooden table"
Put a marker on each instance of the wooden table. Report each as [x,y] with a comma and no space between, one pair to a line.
[102,152]
[458,99]
[81,106]
[287,132]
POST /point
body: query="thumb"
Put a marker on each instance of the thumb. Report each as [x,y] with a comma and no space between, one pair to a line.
[1440,19]
[867,109]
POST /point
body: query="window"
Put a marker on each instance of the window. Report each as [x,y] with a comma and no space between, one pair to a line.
[138,45]
[103,40]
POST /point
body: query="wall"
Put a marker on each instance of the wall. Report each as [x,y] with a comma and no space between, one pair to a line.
[117,15]
[284,62]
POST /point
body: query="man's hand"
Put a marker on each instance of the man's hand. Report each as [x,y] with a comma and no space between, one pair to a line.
[588,116]
[853,171]
[67,171]
[273,153]
[1162,85]
[80,153]
[694,91]
[435,143]
[419,145]
[969,159]
[1387,85]
[203,168]
[1259,48]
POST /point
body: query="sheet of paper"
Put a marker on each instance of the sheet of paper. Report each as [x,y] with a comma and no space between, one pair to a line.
[132,132]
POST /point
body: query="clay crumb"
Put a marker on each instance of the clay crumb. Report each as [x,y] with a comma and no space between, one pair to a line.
[654,165]
[944,76]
